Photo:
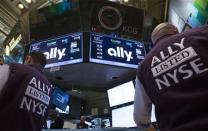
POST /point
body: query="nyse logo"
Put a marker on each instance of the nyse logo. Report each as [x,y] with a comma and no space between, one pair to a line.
[120,52]
[55,53]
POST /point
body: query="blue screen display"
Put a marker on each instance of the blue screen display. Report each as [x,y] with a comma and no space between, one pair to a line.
[60,99]
[61,50]
[115,51]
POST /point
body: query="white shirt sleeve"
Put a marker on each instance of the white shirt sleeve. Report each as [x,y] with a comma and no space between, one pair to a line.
[142,106]
[4,75]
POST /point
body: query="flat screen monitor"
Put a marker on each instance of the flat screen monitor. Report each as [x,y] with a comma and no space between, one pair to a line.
[106,123]
[61,50]
[123,117]
[60,99]
[121,94]
[127,111]
[106,49]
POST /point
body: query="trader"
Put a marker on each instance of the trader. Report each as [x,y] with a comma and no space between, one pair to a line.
[173,77]
[24,94]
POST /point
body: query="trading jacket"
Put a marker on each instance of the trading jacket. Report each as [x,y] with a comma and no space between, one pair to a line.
[24,99]
[175,77]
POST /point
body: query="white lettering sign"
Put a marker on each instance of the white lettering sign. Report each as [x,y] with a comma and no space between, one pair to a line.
[120,52]
[54,53]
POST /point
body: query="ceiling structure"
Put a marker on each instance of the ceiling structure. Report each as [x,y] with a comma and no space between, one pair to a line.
[10,14]
[89,76]
[8,19]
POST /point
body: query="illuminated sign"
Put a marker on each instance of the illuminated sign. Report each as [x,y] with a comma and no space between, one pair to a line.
[61,50]
[115,51]
[12,44]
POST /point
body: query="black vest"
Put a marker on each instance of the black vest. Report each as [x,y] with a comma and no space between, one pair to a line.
[175,77]
[25,99]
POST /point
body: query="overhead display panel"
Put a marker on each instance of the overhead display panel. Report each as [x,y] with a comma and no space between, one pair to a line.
[62,50]
[110,50]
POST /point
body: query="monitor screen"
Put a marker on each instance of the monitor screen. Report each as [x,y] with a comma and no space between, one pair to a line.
[110,50]
[60,51]
[121,94]
[60,99]
[127,111]
[123,117]
[106,123]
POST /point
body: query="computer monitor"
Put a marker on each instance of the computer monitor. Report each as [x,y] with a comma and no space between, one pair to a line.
[60,99]
[106,49]
[123,117]
[106,123]
[121,94]
[61,50]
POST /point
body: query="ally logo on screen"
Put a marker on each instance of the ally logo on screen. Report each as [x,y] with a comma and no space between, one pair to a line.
[120,52]
[55,53]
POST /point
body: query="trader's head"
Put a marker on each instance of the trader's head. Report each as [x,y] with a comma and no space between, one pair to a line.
[35,58]
[161,30]
[82,119]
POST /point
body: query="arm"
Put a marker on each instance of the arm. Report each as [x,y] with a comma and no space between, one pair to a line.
[142,106]
[4,75]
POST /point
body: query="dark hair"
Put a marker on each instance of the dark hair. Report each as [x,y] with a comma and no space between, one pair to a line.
[38,58]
